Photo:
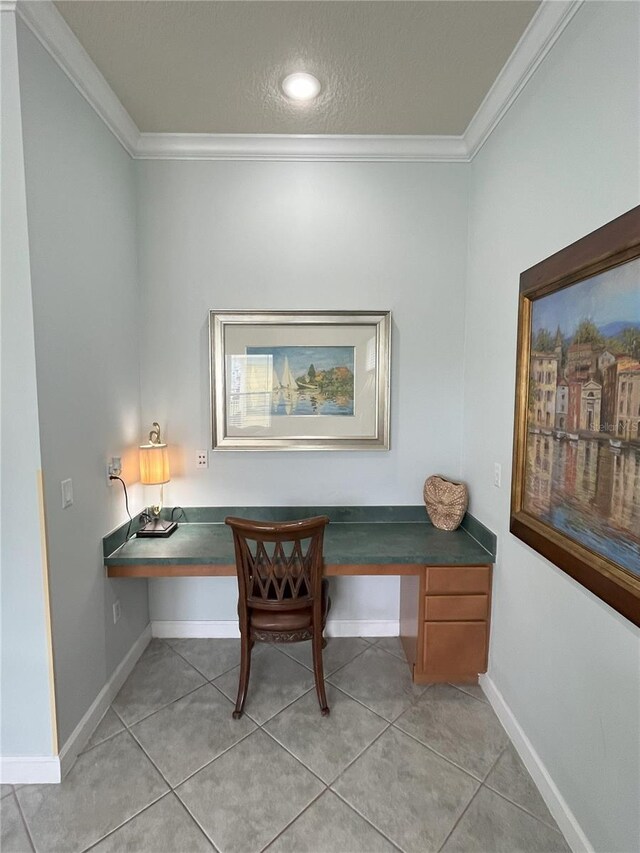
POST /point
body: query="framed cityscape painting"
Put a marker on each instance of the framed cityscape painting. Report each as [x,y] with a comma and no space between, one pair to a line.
[576,467]
[304,380]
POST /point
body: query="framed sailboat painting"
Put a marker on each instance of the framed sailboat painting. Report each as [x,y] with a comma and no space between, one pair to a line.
[305,380]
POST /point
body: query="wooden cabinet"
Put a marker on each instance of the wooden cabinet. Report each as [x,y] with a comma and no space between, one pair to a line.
[444,622]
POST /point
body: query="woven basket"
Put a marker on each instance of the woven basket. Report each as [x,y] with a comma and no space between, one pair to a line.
[446,502]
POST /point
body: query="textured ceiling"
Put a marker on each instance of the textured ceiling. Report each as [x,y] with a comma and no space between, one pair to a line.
[215,67]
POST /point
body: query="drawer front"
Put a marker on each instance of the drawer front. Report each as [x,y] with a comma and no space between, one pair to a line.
[455,649]
[448,608]
[458,579]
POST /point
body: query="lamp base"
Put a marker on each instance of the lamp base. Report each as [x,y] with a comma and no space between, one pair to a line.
[158,527]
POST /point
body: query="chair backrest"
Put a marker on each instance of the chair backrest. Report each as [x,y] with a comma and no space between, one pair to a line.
[279,564]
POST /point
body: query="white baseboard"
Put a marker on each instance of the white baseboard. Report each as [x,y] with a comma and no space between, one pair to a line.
[362,628]
[557,805]
[194,628]
[87,725]
[50,769]
[30,770]
[220,628]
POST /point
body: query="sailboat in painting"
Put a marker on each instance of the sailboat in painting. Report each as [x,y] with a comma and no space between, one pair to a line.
[283,389]
[287,382]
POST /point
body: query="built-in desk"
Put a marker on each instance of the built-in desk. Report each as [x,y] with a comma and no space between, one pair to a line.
[446,576]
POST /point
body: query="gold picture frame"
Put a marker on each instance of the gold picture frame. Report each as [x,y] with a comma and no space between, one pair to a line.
[575,494]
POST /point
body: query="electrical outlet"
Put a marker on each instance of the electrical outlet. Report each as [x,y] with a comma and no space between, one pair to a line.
[116,611]
[497,475]
[202,459]
[114,468]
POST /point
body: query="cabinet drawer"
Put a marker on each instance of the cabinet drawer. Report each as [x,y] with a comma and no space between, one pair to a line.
[447,608]
[455,649]
[452,579]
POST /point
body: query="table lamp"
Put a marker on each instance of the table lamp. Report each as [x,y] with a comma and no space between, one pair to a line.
[154,471]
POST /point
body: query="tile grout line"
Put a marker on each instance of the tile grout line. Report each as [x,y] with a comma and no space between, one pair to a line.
[367,820]
[460,816]
[352,762]
[450,761]
[128,820]
[206,764]
[211,760]
[513,802]
[498,757]
[199,671]
[361,702]
[337,669]
[197,822]
[203,674]
[104,740]
[555,828]
[483,784]
[148,757]
[245,737]
[129,729]
[124,823]
[304,692]
[355,758]
[462,690]
[291,822]
[299,760]
[162,707]
[171,788]
[344,693]
[350,805]
[23,819]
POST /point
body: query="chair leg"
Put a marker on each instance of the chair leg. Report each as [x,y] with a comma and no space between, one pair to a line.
[318,671]
[246,644]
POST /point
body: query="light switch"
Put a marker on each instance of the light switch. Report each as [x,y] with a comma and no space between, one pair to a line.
[67,493]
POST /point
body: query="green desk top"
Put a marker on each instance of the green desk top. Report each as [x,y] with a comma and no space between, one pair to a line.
[356,535]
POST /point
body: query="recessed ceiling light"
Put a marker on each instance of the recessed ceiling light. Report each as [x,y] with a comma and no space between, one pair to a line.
[301,86]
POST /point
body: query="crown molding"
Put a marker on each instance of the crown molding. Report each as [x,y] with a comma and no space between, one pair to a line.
[55,35]
[535,43]
[50,28]
[303,147]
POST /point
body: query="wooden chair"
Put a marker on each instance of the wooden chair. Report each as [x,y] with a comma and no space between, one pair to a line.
[282,597]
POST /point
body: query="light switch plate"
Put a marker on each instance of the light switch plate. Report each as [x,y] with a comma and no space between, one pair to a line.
[67,493]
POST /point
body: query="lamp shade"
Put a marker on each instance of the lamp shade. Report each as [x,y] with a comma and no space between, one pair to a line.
[154,464]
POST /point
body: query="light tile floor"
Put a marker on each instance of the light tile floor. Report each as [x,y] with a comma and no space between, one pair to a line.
[394,767]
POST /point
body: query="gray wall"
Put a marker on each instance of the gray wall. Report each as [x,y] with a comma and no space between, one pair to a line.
[564,161]
[81,211]
[290,236]
[27,715]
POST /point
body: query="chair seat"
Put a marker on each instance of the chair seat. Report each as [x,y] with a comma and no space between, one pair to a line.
[288,620]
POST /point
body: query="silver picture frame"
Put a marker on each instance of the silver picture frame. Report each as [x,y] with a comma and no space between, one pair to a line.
[300,380]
